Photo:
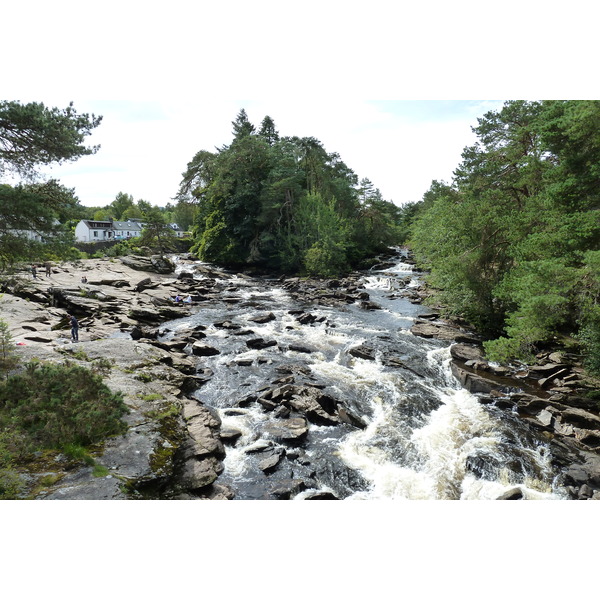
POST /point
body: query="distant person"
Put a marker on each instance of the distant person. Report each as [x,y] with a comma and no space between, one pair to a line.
[34,271]
[74,328]
[188,300]
[84,279]
[48,269]
[178,298]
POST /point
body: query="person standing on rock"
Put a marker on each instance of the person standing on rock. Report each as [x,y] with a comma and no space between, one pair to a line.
[48,271]
[74,328]
[34,271]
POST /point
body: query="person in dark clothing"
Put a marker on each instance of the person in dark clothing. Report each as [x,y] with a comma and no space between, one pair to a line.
[74,328]
[34,271]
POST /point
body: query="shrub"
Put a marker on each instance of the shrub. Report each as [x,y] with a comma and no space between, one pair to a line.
[56,405]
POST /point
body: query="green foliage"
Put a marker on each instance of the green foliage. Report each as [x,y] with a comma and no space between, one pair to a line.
[33,134]
[8,359]
[33,222]
[511,244]
[283,203]
[156,234]
[55,405]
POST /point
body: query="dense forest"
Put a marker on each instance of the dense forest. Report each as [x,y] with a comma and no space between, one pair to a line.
[513,242]
[284,203]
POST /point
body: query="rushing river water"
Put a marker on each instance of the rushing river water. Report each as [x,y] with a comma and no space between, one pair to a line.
[426,437]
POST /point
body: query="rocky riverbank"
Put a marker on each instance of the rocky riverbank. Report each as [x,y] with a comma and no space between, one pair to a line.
[554,396]
[175,444]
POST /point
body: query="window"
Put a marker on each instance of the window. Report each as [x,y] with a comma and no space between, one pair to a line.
[95,234]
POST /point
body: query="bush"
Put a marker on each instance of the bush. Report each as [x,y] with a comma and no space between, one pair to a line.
[55,405]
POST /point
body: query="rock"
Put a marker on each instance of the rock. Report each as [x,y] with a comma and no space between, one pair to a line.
[272,460]
[512,494]
[366,305]
[429,330]
[464,352]
[260,343]
[297,348]
[230,435]
[263,318]
[144,284]
[197,474]
[363,351]
[349,418]
[545,418]
[580,418]
[473,383]
[288,488]
[145,314]
[287,430]
[200,349]
[321,496]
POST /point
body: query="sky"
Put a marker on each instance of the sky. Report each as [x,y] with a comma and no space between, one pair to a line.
[392,86]
[401,146]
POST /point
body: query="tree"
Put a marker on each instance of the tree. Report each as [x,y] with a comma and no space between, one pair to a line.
[121,204]
[34,217]
[34,222]
[268,132]
[32,135]
[242,126]
[256,200]
[8,358]
[512,243]
[156,234]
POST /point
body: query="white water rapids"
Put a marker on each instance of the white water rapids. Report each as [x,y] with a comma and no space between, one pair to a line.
[426,437]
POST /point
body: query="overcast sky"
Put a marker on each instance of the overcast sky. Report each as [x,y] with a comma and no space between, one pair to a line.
[169,80]
[145,145]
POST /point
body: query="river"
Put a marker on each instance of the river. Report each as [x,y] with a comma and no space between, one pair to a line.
[425,436]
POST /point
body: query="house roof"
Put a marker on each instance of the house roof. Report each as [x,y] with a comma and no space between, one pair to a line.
[97,224]
[127,225]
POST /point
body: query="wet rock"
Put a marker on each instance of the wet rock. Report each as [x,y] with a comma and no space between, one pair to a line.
[349,418]
[286,430]
[261,319]
[201,349]
[473,383]
[513,494]
[363,351]
[226,325]
[215,491]
[273,458]
[260,343]
[366,305]
[230,435]
[298,348]
[321,496]
[580,418]
[288,488]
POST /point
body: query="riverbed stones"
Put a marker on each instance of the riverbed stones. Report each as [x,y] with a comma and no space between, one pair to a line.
[201,349]
[287,430]
[260,343]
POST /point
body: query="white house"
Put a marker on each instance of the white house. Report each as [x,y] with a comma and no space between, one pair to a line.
[94,231]
[179,232]
[101,231]
[124,230]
